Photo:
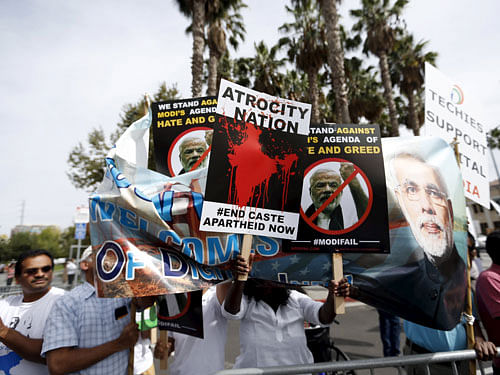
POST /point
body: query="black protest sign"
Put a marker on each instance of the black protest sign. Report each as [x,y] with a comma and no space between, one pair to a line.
[181,312]
[255,174]
[182,134]
[344,199]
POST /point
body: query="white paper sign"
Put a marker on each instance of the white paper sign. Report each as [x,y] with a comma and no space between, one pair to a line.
[450,114]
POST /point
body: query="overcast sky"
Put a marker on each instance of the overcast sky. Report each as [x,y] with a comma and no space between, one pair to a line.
[70,66]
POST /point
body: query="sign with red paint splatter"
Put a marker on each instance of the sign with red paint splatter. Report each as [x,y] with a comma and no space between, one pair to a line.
[182,134]
[344,200]
[255,177]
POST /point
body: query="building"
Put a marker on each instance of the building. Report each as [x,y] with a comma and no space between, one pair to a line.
[486,220]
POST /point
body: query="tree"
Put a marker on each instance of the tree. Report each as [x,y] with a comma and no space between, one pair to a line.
[379,19]
[408,65]
[87,162]
[222,16]
[306,46]
[195,9]
[336,59]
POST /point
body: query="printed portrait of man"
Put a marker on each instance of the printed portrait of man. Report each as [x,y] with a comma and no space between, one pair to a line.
[423,198]
[190,151]
[423,278]
[323,184]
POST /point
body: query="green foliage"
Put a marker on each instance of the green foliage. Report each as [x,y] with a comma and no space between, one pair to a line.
[494,138]
[86,162]
[48,239]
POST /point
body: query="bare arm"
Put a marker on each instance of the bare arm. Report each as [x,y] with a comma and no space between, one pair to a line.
[26,347]
[485,350]
[66,360]
[235,292]
[327,311]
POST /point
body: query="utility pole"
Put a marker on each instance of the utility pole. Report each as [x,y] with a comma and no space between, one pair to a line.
[22,211]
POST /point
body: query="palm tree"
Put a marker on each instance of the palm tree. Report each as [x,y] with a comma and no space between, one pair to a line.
[222,15]
[336,59]
[379,19]
[265,67]
[306,46]
[408,71]
[195,9]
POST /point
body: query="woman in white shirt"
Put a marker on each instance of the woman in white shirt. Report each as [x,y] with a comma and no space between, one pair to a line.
[272,319]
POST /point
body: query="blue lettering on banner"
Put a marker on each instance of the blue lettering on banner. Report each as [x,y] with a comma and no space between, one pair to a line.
[165,235]
[215,247]
[104,209]
[193,248]
[197,202]
[163,204]
[141,195]
[120,180]
[128,218]
[117,268]
[269,248]
[132,265]
[173,266]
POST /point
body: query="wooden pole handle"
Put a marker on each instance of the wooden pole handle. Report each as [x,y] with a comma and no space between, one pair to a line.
[164,339]
[246,247]
[338,274]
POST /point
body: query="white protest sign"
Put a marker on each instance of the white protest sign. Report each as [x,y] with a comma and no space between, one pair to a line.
[451,115]
[263,110]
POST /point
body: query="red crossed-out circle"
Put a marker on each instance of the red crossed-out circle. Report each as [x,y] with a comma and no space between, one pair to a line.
[357,170]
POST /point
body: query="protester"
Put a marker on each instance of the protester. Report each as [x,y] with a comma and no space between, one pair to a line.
[87,334]
[390,330]
[474,267]
[422,340]
[10,273]
[272,319]
[71,271]
[488,295]
[23,317]
[192,354]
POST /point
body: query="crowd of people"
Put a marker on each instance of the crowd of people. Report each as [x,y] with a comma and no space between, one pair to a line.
[47,330]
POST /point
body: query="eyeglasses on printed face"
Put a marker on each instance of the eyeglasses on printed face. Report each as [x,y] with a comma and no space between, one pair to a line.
[34,271]
[414,193]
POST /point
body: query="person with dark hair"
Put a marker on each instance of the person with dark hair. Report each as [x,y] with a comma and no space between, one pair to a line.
[488,295]
[23,317]
[272,319]
[86,334]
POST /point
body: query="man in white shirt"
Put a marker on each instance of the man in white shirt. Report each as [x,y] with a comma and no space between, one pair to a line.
[23,317]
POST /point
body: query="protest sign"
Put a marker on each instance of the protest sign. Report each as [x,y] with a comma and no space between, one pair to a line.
[451,115]
[181,313]
[182,134]
[146,242]
[254,180]
[344,203]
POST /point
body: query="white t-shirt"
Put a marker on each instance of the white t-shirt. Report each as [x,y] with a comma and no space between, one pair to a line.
[71,268]
[275,339]
[202,356]
[28,318]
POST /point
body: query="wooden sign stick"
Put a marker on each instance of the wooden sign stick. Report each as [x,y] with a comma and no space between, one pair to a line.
[130,369]
[164,339]
[338,274]
[245,252]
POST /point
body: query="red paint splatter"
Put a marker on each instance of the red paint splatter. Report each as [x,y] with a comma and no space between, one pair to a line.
[252,169]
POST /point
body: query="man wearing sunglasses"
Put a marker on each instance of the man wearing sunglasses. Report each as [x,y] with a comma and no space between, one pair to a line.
[23,317]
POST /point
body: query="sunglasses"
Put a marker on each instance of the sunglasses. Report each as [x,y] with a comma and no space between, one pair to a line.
[34,271]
